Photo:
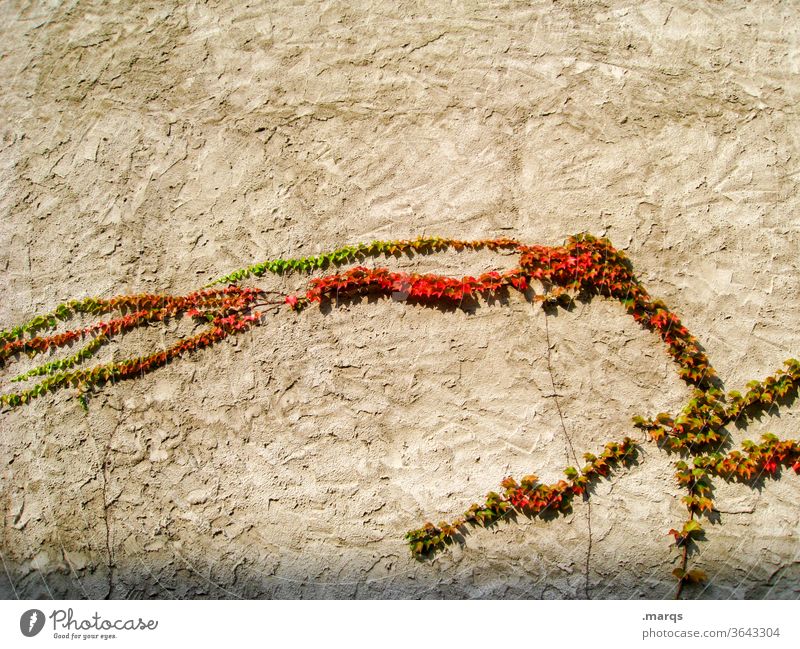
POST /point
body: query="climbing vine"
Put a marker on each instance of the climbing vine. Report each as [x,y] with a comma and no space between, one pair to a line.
[584,267]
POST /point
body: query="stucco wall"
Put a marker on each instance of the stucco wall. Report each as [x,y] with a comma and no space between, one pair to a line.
[155,148]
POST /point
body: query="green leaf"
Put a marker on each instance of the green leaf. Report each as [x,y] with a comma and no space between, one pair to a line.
[692,527]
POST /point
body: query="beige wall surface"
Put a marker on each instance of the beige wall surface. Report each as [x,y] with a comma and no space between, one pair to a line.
[155,146]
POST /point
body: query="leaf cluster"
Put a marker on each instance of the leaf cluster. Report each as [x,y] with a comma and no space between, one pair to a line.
[585,266]
[528,497]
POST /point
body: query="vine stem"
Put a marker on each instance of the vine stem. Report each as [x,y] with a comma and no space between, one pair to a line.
[570,450]
[684,563]
[570,447]
[104,494]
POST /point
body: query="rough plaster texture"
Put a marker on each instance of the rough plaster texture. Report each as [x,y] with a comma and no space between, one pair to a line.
[154,147]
